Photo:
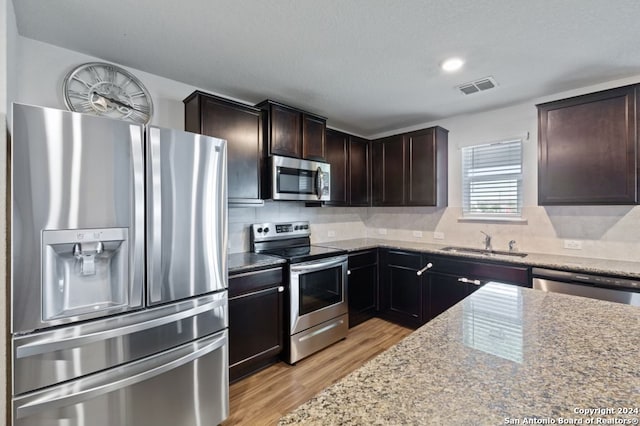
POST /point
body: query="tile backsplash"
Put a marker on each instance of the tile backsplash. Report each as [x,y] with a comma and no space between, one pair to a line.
[608,232]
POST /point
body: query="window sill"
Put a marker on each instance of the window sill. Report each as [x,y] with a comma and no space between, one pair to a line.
[496,219]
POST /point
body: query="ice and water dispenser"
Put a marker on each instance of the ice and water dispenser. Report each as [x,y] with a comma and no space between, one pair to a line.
[84,271]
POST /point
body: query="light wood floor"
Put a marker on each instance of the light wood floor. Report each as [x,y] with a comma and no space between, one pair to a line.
[261,399]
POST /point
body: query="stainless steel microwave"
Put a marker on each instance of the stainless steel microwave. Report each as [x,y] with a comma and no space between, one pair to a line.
[296,179]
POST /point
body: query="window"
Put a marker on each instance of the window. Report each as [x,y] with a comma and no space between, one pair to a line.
[492,179]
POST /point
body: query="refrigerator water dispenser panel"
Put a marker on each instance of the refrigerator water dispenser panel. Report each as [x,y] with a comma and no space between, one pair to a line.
[84,271]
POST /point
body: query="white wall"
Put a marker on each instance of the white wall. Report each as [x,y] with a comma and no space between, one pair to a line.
[605,231]
[609,232]
[43,67]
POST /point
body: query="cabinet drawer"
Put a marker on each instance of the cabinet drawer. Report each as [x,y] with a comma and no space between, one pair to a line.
[405,259]
[254,281]
[363,258]
[482,270]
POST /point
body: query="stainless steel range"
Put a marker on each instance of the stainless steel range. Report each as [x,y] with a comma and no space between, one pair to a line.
[317,308]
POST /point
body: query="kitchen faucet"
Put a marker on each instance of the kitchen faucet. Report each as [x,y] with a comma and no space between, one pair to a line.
[487,241]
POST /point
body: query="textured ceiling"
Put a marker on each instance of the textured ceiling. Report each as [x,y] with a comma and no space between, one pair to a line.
[370,66]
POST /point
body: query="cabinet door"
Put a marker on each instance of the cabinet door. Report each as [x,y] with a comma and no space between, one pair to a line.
[240,125]
[388,171]
[445,291]
[402,295]
[363,287]
[359,177]
[405,292]
[243,131]
[337,157]
[421,168]
[255,321]
[285,131]
[588,149]
[255,329]
[313,137]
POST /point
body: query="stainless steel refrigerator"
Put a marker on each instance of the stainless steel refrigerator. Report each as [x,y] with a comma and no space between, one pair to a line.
[118,273]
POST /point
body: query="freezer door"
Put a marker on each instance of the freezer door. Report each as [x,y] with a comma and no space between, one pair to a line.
[77,217]
[186,215]
[187,385]
[67,353]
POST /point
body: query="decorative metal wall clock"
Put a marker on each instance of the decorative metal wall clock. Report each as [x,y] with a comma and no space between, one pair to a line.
[107,90]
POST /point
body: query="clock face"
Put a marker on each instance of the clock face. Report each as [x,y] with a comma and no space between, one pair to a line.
[107,90]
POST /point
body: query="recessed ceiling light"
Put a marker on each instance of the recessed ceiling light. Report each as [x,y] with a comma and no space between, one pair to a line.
[452,64]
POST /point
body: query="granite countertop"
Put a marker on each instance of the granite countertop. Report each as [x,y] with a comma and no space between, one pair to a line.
[504,355]
[246,262]
[567,263]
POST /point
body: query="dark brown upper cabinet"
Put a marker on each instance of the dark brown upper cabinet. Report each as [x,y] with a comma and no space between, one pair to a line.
[359,186]
[313,137]
[337,149]
[241,126]
[588,149]
[292,132]
[388,176]
[410,169]
[349,158]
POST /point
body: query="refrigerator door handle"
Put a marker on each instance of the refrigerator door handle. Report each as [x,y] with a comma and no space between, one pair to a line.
[136,270]
[53,343]
[154,245]
[77,391]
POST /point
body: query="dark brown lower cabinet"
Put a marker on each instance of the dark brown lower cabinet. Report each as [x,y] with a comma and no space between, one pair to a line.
[451,280]
[255,321]
[411,299]
[363,286]
[445,291]
[402,292]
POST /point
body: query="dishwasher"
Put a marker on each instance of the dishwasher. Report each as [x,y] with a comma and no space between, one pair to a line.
[612,289]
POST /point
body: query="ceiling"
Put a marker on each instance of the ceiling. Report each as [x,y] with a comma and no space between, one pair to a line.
[370,66]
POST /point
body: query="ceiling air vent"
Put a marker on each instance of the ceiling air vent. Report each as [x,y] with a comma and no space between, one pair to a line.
[478,85]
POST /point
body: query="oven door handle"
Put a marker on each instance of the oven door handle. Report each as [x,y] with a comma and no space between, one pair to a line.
[317,265]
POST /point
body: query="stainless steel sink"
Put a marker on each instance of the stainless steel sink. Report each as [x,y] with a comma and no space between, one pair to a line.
[488,253]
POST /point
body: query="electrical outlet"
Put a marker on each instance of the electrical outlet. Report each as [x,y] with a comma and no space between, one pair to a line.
[417,234]
[438,235]
[573,244]
[331,233]
[382,231]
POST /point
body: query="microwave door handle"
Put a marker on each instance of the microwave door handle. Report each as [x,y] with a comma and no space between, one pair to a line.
[319,183]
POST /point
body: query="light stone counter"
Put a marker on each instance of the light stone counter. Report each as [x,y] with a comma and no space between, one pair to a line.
[504,355]
[567,263]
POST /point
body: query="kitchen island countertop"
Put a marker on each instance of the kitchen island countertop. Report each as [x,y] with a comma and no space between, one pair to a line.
[567,263]
[504,355]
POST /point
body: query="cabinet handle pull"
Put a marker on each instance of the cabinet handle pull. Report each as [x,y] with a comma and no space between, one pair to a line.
[280,289]
[421,271]
[467,280]
[348,272]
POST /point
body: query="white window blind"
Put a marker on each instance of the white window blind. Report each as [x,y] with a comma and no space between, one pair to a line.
[492,179]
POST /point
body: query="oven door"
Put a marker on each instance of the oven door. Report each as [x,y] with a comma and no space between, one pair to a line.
[317,292]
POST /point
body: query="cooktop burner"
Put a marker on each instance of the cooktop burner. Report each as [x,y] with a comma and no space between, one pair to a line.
[290,241]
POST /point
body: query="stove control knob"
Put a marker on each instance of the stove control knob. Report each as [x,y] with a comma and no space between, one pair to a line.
[265,230]
[259,230]
[297,227]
